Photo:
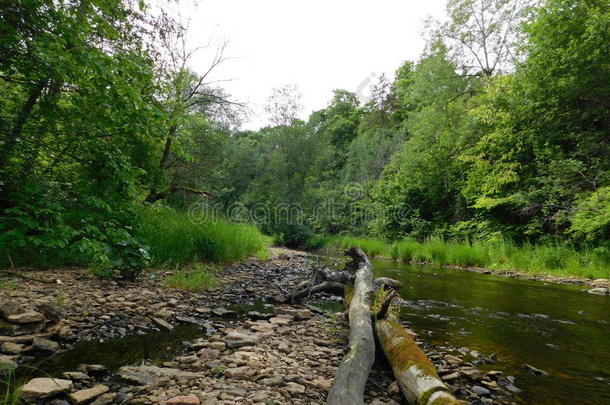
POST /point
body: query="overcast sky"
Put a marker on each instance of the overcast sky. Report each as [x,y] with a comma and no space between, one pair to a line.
[319,45]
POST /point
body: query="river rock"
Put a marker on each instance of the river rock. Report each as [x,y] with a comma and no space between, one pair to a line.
[217,345]
[14,329]
[223,312]
[184,400]
[474,374]
[481,391]
[147,375]
[599,291]
[27,317]
[235,340]
[163,323]
[44,388]
[75,376]
[50,311]
[209,354]
[105,399]
[533,370]
[7,362]
[45,345]
[294,389]
[10,308]
[11,348]
[88,394]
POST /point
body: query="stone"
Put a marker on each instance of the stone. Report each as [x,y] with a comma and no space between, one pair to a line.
[294,389]
[237,373]
[44,388]
[599,291]
[88,394]
[272,381]
[11,348]
[105,399]
[394,388]
[75,376]
[220,346]
[14,329]
[260,396]
[27,317]
[474,374]
[50,311]
[481,391]
[187,359]
[7,362]
[450,376]
[223,312]
[10,308]
[209,354]
[93,369]
[184,400]
[147,375]
[235,340]
[163,324]
[533,370]
[45,345]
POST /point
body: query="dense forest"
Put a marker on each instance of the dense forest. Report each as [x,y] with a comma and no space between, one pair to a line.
[500,131]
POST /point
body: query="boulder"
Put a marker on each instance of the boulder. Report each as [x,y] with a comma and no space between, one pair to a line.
[44,388]
[27,317]
[88,394]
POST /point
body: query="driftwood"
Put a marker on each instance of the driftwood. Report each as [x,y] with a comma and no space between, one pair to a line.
[353,372]
[322,280]
[415,373]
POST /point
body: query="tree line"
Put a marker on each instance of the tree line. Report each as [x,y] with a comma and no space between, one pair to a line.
[500,130]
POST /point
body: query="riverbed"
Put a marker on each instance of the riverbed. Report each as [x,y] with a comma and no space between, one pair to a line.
[559,329]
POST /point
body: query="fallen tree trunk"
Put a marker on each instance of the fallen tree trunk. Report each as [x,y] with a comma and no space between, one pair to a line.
[415,373]
[351,376]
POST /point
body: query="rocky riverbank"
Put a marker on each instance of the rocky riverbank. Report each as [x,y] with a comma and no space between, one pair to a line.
[278,354]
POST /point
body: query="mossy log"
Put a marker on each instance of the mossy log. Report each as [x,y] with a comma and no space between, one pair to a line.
[353,372]
[415,373]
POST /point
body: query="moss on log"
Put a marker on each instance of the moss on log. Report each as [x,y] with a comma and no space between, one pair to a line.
[415,373]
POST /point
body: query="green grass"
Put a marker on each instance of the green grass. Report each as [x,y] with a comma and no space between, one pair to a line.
[10,390]
[372,247]
[557,260]
[174,239]
[197,279]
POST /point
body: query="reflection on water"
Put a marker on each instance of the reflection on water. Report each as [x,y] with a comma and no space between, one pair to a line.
[556,328]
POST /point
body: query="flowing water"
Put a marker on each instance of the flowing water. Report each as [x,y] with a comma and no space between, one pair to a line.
[557,328]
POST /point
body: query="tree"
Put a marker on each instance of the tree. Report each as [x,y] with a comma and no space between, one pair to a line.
[284,104]
[482,34]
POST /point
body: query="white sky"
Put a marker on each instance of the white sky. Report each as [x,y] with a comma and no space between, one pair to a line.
[318,45]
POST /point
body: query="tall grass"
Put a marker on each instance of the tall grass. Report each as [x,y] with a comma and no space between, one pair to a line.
[10,389]
[174,239]
[371,247]
[558,260]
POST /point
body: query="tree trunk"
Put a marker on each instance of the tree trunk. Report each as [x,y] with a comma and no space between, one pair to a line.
[415,373]
[351,376]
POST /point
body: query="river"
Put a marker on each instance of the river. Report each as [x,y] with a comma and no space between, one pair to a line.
[557,328]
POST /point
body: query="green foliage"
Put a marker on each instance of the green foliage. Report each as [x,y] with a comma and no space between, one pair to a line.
[197,279]
[175,239]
